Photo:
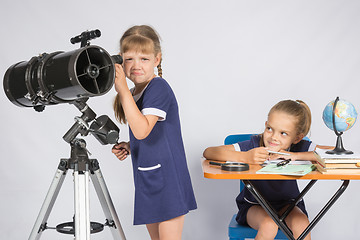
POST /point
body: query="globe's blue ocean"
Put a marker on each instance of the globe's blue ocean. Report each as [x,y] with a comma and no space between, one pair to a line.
[345,115]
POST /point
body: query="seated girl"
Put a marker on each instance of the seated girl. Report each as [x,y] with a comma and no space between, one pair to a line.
[287,124]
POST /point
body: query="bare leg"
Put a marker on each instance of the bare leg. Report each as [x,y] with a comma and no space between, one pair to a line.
[297,222]
[258,219]
[153,230]
[167,230]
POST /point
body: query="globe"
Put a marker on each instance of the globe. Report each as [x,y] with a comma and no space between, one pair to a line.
[345,115]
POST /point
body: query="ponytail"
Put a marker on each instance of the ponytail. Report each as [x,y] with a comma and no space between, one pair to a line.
[306,122]
[160,69]
[119,111]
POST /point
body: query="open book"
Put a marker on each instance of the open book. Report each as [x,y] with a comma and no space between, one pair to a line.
[292,169]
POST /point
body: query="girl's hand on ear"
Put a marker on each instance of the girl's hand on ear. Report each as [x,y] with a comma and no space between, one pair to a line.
[121,150]
[258,155]
[120,79]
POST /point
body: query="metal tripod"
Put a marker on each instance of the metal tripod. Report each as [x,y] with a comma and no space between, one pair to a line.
[106,132]
[83,168]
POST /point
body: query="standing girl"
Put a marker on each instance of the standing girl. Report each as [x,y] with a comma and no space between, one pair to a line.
[287,124]
[163,190]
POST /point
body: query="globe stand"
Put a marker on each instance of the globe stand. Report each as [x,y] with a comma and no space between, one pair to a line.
[339,148]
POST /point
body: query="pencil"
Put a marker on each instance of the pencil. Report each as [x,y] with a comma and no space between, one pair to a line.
[280,153]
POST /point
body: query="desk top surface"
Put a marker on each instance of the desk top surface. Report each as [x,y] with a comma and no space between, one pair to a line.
[215,172]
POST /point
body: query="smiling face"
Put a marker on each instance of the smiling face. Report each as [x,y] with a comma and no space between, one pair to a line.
[139,67]
[280,131]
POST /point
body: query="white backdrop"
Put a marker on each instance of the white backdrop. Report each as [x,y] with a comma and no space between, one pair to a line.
[228,63]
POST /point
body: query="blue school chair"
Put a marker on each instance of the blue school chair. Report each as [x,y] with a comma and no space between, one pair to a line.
[236,231]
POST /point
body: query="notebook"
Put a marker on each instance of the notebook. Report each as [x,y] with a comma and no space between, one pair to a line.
[289,169]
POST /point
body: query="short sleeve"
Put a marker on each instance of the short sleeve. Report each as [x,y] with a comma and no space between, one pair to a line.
[237,147]
[156,99]
[312,147]
[245,145]
[303,146]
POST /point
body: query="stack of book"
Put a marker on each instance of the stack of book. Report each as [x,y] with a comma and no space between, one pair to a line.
[337,164]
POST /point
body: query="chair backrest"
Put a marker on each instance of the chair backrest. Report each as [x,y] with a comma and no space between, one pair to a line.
[235,138]
[231,139]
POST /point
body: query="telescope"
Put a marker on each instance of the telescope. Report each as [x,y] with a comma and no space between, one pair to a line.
[62,77]
[67,77]
[72,77]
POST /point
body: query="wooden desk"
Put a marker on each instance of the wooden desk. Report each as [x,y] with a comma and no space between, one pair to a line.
[215,172]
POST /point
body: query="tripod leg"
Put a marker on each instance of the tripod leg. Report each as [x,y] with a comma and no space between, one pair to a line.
[82,216]
[107,204]
[40,224]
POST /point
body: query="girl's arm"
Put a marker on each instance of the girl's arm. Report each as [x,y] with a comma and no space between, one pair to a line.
[140,125]
[227,153]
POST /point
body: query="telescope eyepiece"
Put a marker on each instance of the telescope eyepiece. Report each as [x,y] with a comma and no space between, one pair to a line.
[117,59]
[86,36]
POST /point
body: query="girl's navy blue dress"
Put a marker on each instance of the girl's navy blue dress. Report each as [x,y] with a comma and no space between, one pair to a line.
[163,188]
[278,193]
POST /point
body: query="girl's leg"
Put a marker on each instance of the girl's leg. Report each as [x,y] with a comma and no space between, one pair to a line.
[167,230]
[258,219]
[297,221]
[153,230]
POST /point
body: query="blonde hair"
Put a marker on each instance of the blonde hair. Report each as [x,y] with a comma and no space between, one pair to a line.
[299,109]
[142,39]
